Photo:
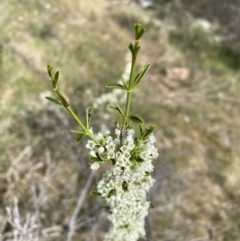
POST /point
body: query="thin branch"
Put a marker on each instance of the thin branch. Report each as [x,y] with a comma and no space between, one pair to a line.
[71,225]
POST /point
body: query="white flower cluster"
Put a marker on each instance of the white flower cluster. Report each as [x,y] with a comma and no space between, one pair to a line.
[127,183]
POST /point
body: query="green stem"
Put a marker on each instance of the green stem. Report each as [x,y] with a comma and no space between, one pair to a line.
[131,79]
[70,110]
[72,113]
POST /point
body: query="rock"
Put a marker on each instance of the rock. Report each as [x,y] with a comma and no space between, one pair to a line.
[181,74]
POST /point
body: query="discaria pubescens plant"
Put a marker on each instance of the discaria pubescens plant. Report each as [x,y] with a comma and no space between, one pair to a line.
[126,184]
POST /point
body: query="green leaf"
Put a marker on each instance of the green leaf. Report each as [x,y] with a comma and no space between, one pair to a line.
[136,50]
[140,129]
[125,186]
[95,193]
[115,86]
[136,119]
[137,26]
[49,70]
[113,161]
[57,102]
[99,157]
[56,76]
[139,159]
[131,47]
[147,132]
[136,140]
[111,192]
[116,108]
[77,132]
[120,110]
[95,158]
[139,30]
[124,83]
[116,123]
[79,137]
[140,75]
[140,33]
[88,116]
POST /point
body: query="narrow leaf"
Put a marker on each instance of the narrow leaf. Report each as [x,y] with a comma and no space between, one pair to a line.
[57,102]
[140,129]
[116,123]
[49,70]
[136,119]
[88,116]
[95,193]
[140,75]
[95,159]
[131,48]
[125,186]
[56,76]
[115,86]
[111,192]
[98,156]
[141,32]
[113,161]
[147,132]
[137,26]
[120,110]
[77,132]
[124,83]
[111,107]
[79,137]
[115,108]
[54,84]
[139,159]
[136,50]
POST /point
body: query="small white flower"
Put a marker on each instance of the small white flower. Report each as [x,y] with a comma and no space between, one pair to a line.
[91,130]
[110,146]
[131,146]
[95,166]
[90,144]
[154,153]
[111,155]
[152,139]
[116,141]
[126,155]
[100,150]
[124,149]
[93,153]
[109,139]
[99,136]
[143,155]
[118,155]
[117,132]
[130,139]
[131,132]
[120,162]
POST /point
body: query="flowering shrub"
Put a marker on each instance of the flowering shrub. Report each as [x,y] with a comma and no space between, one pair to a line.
[126,184]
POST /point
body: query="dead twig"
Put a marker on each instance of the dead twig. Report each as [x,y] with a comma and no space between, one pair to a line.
[81,198]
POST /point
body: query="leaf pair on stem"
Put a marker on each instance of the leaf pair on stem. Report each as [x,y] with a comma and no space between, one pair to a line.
[127,86]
